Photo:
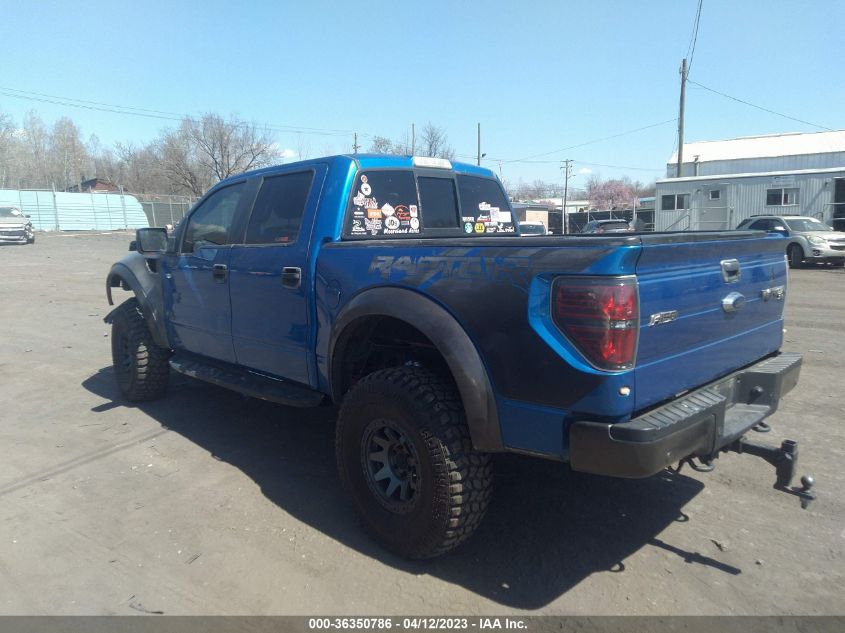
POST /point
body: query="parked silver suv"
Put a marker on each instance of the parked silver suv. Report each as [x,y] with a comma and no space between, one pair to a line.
[809,239]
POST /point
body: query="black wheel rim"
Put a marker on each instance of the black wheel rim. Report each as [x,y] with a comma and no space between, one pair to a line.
[391,466]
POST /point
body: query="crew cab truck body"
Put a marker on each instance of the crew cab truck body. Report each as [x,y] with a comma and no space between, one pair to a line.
[398,288]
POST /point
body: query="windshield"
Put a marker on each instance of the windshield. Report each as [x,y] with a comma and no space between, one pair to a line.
[532,229]
[806,224]
[10,212]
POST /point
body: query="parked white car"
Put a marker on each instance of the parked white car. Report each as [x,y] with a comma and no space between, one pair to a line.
[15,227]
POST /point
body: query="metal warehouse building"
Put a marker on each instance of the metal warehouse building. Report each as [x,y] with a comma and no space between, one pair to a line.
[724,182]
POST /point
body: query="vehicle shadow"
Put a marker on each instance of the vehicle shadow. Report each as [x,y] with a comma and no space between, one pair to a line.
[546,529]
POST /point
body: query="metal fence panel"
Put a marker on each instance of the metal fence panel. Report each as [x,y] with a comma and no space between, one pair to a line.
[51,210]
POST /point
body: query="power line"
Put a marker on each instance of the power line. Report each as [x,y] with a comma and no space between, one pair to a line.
[753,105]
[694,37]
[574,160]
[147,113]
[598,140]
[176,116]
[583,162]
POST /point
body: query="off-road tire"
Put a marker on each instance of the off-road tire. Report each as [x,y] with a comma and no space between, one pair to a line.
[454,482]
[795,254]
[31,240]
[141,367]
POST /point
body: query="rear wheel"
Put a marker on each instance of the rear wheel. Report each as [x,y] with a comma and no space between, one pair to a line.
[140,366]
[406,460]
[795,255]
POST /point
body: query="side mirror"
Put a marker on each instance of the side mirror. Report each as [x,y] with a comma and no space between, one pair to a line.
[27,216]
[151,240]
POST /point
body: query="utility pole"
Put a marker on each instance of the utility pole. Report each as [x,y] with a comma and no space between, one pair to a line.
[567,173]
[413,139]
[681,116]
[355,144]
[479,145]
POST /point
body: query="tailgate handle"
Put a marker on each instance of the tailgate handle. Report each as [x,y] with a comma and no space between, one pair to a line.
[730,270]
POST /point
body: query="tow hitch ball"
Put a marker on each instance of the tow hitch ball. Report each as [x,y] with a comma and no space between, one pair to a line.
[785,460]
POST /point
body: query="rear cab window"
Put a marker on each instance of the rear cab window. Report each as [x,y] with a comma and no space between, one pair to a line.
[401,203]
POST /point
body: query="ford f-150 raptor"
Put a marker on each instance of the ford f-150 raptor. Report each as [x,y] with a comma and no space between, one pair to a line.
[399,289]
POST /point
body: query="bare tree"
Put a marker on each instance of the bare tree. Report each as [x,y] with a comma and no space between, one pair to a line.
[138,169]
[381,145]
[176,157]
[201,152]
[433,142]
[303,147]
[34,153]
[69,158]
[231,147]
[8,149]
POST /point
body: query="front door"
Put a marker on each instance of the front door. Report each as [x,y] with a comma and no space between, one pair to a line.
[713,215]
[270,278]
[196,279]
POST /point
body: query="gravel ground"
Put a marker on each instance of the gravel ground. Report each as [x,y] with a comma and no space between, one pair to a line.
[208,503]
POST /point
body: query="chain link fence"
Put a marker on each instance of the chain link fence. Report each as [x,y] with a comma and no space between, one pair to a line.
[164,210]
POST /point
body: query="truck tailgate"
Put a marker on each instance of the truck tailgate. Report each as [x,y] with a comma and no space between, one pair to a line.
[687,336]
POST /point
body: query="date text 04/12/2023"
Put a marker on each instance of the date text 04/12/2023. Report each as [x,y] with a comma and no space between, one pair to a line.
[415,623]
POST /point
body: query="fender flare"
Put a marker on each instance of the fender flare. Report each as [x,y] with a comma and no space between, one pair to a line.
[132,272]
[450,339]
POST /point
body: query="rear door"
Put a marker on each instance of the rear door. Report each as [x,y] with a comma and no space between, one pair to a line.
[709,304]
[270,277]
[196,280]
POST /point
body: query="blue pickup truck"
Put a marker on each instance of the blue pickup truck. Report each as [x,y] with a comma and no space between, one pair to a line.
[399,289]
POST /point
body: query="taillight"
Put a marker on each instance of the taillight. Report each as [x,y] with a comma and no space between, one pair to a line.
[600,316]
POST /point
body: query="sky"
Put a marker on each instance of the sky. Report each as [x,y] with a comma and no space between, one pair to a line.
[546,80]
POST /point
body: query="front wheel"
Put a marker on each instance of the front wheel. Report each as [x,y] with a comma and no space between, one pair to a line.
[406,460]
[795,255]
[140,366]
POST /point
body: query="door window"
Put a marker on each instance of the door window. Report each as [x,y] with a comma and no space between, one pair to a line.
[762,225]
[277,214]
[211,224]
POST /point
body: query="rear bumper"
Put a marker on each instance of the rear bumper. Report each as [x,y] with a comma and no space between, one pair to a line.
[699,423]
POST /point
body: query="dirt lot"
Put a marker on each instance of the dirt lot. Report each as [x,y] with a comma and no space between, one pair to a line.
[205,502]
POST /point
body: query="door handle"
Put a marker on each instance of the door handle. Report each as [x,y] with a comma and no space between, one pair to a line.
[220,272]
[291,277]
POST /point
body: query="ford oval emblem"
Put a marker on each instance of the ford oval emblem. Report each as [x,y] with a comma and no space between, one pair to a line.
[733,302]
